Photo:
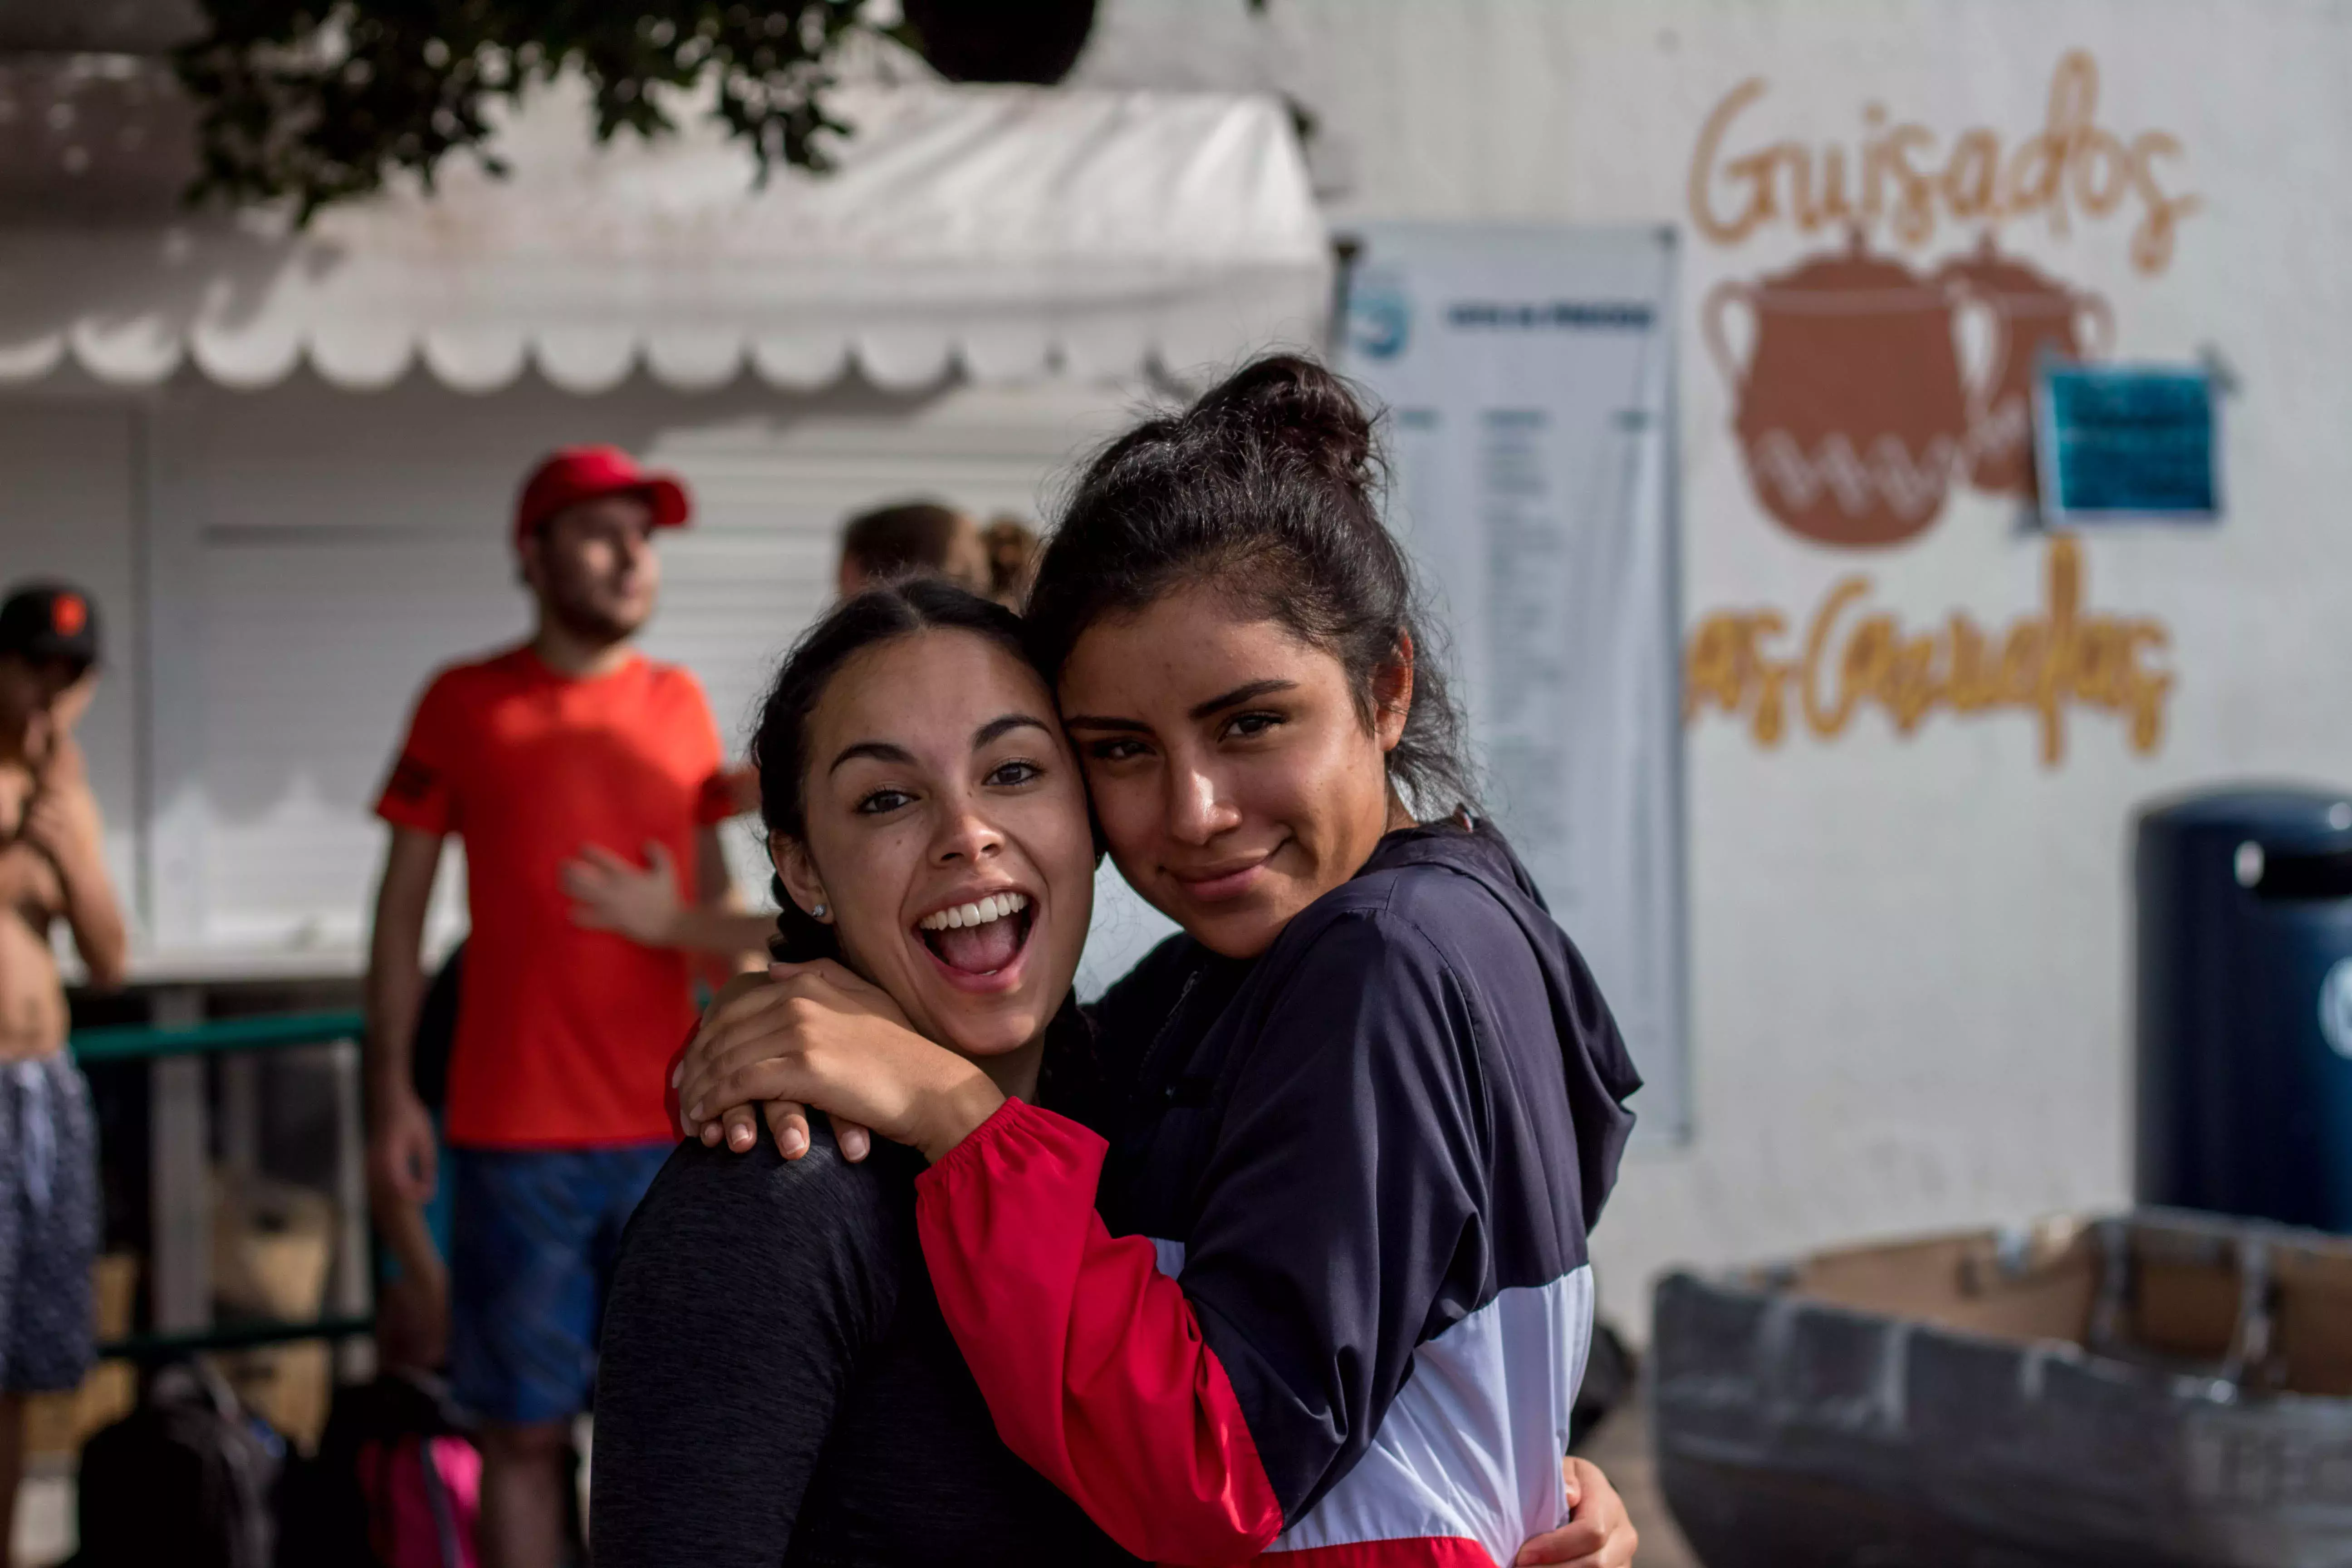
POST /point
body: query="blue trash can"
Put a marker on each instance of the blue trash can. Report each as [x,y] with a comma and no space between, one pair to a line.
[2245,1006]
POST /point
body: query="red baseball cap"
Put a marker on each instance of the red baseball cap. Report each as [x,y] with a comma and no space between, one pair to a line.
[577,474]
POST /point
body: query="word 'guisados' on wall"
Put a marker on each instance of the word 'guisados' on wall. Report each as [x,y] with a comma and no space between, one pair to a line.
[2047,661]
[1903,176]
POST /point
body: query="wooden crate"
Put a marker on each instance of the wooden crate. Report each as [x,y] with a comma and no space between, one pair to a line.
[57,1424]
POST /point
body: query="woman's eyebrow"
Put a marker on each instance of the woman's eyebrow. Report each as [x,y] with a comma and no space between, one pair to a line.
[1005,725]
[1239,695]
[1217,704]
[880,751]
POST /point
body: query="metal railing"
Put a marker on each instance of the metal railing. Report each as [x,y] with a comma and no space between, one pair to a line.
[159,1045]
[270,1031]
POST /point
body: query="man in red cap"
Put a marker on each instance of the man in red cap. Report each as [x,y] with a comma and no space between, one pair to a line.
[554,1115]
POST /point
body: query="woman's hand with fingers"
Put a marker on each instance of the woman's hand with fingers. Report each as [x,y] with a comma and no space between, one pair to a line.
[787,1124]
[735,1119]
[821,1037]
[738,1125]
[1598,1533]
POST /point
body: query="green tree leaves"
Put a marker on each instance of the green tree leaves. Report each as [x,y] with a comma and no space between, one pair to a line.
[313,103]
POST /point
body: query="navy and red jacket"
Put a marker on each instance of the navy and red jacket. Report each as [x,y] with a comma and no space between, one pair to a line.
[1335,1302]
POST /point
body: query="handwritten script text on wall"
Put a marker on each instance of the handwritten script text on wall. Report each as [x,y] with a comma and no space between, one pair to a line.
[1902,176]
[2047,661]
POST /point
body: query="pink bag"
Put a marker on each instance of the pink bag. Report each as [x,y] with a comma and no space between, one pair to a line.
[424,1495]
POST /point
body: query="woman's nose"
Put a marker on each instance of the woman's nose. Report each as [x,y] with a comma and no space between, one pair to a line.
[1197,811]
[966,835]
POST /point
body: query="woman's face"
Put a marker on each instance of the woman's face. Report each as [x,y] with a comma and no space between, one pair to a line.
[1232,773]
[948,838]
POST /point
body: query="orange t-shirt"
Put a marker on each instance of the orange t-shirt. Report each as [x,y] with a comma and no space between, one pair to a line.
[563,1035]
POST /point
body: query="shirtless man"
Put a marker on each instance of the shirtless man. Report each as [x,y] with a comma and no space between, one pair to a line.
[52,869]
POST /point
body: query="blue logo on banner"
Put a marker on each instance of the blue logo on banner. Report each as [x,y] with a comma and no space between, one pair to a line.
[1380,315]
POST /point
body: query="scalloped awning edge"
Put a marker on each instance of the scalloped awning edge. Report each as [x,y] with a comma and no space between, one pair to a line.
[1003,233]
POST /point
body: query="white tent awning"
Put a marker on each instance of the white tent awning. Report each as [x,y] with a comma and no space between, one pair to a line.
[1010,231]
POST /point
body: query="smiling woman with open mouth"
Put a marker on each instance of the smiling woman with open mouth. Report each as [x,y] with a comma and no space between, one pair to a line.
[979,943]
[1281,1245]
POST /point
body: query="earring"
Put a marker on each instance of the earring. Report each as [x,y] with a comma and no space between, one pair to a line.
[818,911]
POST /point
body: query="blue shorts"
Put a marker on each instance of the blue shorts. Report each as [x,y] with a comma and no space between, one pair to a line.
[533,1237]
[48,1225]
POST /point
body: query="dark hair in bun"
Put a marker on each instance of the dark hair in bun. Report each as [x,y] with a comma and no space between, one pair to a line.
[780,744]
[1269,489]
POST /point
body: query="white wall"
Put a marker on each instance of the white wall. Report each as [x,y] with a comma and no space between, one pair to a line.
[1911,954]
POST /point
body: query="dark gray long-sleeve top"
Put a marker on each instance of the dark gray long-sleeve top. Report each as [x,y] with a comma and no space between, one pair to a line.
[777,1385]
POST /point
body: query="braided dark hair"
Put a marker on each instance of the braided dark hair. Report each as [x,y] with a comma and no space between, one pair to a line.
[779,745]
[1268,487]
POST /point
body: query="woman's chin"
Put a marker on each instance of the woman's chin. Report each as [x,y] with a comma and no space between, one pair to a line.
[1006,1030]
[1233,930]
[991,1015]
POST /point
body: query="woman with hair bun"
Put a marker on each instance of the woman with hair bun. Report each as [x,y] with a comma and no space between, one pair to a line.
[1358,1119]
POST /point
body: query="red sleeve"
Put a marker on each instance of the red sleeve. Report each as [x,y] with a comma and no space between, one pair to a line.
[419,792]
[732,792]
[715,802]
[1089,1357]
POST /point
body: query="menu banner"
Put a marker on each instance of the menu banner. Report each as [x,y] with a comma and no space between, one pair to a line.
[1528,373]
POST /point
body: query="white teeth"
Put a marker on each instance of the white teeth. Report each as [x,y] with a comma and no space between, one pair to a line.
[994,907]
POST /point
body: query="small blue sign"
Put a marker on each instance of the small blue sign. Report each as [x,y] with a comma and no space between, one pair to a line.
[1380,313]
[2124,443]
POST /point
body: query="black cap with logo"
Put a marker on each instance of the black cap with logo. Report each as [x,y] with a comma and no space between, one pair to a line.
[45,621]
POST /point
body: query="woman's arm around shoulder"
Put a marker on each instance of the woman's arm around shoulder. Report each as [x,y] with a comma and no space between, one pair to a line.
[1193,1417]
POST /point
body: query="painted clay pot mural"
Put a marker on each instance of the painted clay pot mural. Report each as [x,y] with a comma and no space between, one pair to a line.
[1852,409]
[2036,317]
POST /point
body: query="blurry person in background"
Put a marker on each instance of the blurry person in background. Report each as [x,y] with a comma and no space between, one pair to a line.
[905,539]
[1013,547]
[909,537]
[570,743]
[52,869]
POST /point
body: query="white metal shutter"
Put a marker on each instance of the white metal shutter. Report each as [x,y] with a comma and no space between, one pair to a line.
[326,551]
